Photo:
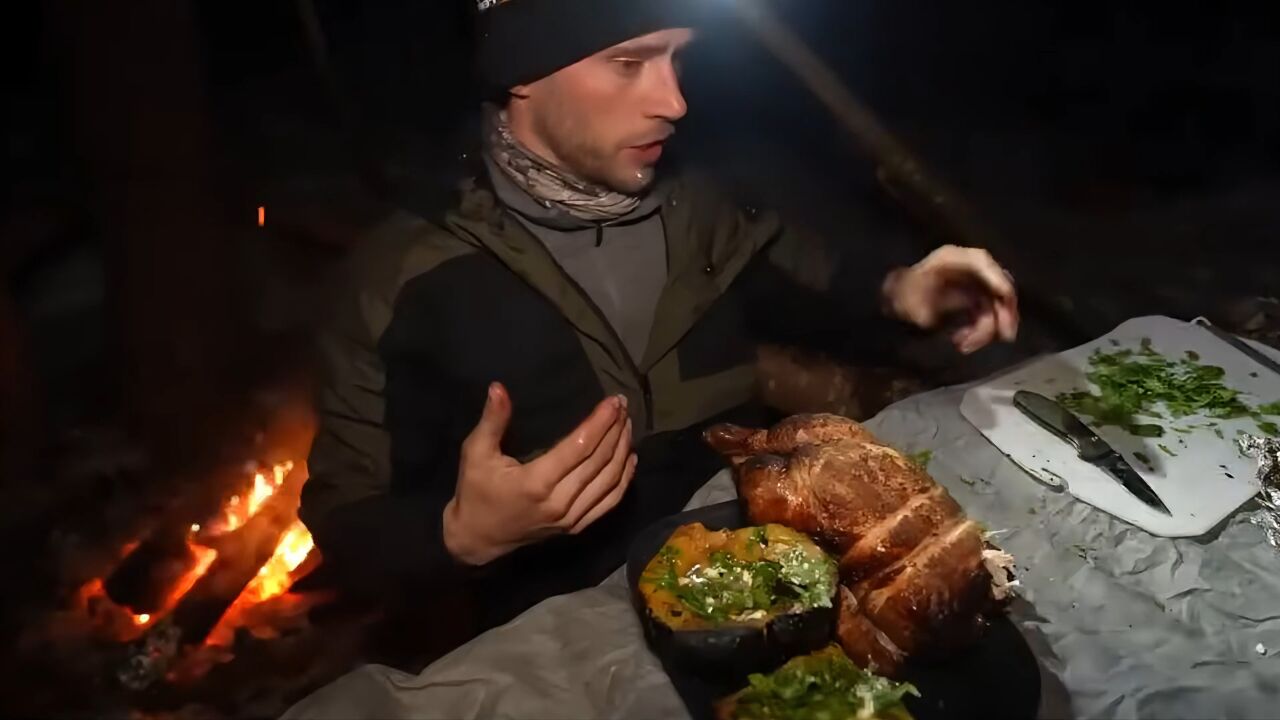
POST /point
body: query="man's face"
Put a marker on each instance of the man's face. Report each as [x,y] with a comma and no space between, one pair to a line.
[607,117]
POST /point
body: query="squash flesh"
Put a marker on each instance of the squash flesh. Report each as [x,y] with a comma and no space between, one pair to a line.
[698,568]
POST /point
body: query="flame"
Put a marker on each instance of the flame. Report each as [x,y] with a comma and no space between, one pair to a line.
[241,508]
[275,576]
[274,579]
[265,602]
[204,558]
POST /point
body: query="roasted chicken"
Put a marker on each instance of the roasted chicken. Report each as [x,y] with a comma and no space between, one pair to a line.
[919,581]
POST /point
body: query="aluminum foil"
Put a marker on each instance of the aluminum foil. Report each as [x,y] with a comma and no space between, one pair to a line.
[1267,453]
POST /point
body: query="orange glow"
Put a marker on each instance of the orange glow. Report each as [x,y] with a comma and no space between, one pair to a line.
[262,216]
[117,623]
[263,606]
[241,508]
[204,558]
[275,576]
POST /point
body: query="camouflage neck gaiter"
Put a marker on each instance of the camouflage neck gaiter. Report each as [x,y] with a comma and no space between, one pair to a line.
[549,185]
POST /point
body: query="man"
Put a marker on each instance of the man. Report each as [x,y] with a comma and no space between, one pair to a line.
[519,387]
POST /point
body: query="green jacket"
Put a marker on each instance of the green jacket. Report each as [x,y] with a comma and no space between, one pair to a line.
[430,313]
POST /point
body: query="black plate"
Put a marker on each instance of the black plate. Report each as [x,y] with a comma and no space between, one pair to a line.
[998,677]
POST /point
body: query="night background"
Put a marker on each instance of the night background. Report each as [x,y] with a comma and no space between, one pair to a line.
[154,337]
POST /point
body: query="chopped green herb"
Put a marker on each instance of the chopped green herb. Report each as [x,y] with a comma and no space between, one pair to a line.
[1114,342]
[1031,511]
[1269,428]
[1183,431]
[1218,432]
[1148,430]
[1144,459]
[968,481]
[922,458]
[826,684]
[1134,384]
[760,536]
[1193,356]
[1253,374]
[1167,451]
[728,587]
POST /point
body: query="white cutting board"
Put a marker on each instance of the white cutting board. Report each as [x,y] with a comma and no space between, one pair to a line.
[1206,481]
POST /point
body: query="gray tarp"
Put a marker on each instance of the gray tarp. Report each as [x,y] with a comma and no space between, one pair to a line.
[1130,624]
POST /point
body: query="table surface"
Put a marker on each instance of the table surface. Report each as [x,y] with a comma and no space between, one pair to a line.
[1124,624]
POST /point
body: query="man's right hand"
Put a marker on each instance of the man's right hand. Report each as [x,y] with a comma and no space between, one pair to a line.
[500,504]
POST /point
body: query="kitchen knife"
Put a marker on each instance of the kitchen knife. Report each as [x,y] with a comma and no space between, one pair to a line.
[1051,416]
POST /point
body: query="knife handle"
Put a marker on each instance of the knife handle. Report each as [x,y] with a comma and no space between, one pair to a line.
[1051,416]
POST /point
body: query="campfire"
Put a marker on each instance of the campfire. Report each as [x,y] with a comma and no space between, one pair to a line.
[176,601]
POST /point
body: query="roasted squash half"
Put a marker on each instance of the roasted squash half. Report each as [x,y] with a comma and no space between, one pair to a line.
[724,604]
[825,685]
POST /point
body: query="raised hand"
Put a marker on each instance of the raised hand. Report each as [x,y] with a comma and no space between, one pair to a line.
[501,504]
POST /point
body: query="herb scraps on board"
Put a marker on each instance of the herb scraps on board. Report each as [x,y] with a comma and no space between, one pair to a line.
[1136,386]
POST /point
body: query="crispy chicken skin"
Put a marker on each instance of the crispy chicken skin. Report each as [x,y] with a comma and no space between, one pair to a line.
[914,581]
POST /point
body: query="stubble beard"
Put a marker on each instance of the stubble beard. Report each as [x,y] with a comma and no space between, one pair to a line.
[571,143]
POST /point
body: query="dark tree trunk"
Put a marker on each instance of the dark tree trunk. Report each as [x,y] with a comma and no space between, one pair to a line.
[19,421]
[134,87]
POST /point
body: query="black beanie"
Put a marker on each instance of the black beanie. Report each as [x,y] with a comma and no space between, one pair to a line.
[526,40]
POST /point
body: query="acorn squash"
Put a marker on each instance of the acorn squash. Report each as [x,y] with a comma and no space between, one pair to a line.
[724,604]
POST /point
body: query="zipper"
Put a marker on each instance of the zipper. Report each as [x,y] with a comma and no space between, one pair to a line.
[646,390]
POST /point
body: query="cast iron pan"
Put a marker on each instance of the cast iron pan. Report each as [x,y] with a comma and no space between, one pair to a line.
[997,678]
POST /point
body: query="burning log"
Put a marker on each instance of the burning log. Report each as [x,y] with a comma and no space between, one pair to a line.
[145,581]
[260,549]
[163,569]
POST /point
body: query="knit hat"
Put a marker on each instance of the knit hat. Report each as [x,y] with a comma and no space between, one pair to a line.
[525,40]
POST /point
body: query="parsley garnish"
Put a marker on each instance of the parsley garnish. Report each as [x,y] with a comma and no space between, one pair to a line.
[726,586]
[823,685]
[1133,384]
[922,458]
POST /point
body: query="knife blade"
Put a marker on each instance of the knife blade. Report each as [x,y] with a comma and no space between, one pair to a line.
[1244,347]
[1051,416]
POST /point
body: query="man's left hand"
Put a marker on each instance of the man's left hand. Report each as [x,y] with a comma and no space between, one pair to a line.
[956,281]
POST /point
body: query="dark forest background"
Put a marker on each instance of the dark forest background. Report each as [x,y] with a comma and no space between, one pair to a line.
[1126,157]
